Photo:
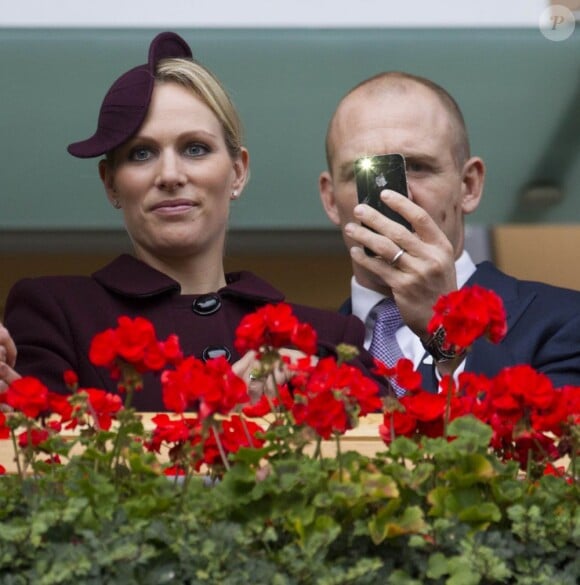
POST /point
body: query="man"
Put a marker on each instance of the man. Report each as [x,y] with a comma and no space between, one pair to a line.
[395,112]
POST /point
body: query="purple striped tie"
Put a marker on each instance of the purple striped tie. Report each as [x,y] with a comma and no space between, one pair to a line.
[384,344]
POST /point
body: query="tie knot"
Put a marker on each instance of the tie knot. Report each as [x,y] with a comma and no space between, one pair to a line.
[388,317]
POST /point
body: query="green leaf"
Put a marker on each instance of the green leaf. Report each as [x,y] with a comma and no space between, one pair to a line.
[401,577]
[379,486]
[481,513]
[471,433]
[404,448]
[438,566]
[385,524]
[316,533]
[471,469]
[142,463]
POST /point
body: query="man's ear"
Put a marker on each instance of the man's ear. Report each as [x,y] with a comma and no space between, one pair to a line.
[473,178]
[326,189]
[106,174]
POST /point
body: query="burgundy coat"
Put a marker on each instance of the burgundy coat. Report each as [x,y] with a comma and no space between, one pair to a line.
[53,320]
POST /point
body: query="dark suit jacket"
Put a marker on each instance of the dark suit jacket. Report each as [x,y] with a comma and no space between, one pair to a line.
[543,330]
[53,320]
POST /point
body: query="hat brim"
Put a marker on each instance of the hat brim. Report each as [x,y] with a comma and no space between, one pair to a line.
[125,105]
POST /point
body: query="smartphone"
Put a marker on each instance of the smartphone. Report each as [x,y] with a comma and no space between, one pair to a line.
[375,173]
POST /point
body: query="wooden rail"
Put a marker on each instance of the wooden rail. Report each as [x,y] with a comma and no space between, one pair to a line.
[364,439]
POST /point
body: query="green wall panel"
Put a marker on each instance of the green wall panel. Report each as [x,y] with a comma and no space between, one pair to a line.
[514,87]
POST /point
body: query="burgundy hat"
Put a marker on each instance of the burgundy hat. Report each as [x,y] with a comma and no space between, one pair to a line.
[127,101]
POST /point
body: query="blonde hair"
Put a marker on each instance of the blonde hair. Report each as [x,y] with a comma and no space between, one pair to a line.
[210,91]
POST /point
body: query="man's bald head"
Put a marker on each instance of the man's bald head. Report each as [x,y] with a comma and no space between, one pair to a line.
[396,82]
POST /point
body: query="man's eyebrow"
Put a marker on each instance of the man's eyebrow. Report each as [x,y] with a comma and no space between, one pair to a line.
[421,157]
[346,170]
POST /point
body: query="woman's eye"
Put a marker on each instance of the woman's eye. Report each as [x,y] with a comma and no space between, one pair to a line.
[140,154]
[196,149]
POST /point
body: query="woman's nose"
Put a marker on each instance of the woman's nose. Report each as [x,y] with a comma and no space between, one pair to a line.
[170,174]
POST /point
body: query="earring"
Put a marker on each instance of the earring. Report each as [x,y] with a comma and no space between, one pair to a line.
[234,195]
[116,204]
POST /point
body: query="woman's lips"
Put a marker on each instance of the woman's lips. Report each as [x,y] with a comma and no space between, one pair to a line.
[174,206]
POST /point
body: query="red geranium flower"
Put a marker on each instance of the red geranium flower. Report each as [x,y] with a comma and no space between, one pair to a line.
[4,430]
[324,412]
[267,404]
[403,373]
[397,424]
[103,406]
[133,342]
[174,470]
[467,314]
[559,471]
[237,432]
[182,387]
[32,437]
[60,404]
[71,379]
[28,395]
[170,431]
[211,386]
[563,411]
[274,326]
[103,349]
[538,446]
[223,390]
[330,396]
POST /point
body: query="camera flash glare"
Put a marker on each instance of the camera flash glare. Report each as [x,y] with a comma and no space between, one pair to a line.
[366,164]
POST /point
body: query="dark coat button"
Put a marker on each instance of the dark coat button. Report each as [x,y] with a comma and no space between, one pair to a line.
[214,351]
[206,304]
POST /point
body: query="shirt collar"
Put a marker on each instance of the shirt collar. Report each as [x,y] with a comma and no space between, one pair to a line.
[464,268]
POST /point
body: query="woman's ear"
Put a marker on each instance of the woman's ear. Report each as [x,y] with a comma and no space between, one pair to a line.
[473,178]
[241,172]
[326,189]
[106,175]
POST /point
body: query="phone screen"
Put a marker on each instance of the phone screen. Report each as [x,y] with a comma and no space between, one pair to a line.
[374,174]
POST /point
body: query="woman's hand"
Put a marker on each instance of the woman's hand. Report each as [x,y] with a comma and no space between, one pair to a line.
[248,368]
[7,359]
[7,347]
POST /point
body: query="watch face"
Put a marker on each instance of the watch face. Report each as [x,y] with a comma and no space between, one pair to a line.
[435,347]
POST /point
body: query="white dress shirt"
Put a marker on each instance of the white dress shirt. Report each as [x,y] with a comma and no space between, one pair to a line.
[364,299]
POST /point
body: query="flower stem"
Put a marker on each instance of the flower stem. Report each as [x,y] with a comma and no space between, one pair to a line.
[116,454]
[447,415]
[16,456]
[184,487]
[220,446]
[318,450]
[247,432]
[339,457]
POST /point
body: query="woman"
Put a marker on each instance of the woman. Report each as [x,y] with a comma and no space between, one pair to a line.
[174,162]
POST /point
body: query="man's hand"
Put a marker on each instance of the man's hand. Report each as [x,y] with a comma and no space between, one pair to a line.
[419,276]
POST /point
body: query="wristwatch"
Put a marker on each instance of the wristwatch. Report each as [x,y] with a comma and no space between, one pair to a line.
[434,346]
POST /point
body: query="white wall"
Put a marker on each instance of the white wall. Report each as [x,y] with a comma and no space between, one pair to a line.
[271,13]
